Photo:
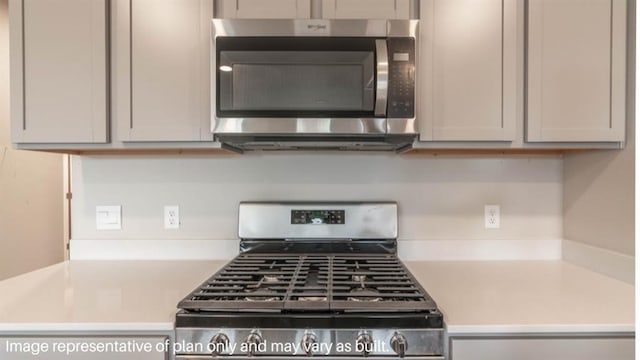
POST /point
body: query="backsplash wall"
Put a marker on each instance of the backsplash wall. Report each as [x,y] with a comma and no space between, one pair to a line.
[440,197]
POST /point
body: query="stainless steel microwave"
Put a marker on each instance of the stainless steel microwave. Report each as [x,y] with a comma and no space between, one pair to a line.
[314,84]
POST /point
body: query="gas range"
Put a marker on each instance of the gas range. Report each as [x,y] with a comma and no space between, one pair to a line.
[312,279]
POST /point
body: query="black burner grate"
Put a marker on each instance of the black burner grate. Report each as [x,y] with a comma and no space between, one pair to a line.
[326,282]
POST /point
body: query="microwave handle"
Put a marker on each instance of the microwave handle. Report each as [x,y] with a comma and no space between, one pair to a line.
[382,76]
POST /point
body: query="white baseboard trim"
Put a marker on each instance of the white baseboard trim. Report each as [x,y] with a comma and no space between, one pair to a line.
[606,262]
[479,250]
[152,249]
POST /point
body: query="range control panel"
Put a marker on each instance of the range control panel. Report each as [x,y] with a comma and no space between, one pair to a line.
[402,78]
[317,217]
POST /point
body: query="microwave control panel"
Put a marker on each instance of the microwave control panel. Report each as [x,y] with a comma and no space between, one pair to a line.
[402,78]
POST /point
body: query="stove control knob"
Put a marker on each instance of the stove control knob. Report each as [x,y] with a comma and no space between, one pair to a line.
[399,344]
[308,340]
[253,341]
[364,343]
[219,343]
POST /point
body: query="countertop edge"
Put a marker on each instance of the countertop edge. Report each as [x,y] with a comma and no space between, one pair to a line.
[532,330]
[58,327]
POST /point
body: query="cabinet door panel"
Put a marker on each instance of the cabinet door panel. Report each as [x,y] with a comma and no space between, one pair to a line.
[366,9]
[264,9]
[170,71]
[59,71]
[468,57]
[547,349]
[576,70]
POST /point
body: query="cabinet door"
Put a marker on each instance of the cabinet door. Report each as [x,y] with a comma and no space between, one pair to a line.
[263,9]
[547,349]
[59,71]
[162,56]
[467,70]
[80,348]
[366,9]
[576,70]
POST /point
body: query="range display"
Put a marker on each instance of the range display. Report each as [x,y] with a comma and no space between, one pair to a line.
[317,217]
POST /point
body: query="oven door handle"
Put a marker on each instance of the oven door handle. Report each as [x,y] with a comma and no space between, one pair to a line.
[382,76]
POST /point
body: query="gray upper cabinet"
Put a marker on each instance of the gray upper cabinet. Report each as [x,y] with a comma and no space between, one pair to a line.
[162,69]
[263,9]
[136,74]
[302,9]
[59,75]
[366,9]
[576,70]
[468,70]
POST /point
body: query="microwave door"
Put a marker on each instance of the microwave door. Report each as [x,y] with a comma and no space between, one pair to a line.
[382,78]
[300,78]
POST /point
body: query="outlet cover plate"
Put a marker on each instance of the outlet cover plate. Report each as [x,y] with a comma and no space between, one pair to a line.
[109,217]
[492,216]
[172,217]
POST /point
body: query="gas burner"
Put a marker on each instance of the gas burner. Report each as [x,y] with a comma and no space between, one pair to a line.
[264,284]
[261,295]
[359,278]
[364,295]
[269,279]
[312,298]
[262,298]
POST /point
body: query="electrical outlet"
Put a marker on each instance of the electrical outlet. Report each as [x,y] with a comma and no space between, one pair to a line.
[492,216]
[172,217]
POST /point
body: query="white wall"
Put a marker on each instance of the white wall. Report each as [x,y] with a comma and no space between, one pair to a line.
[439,197]
[599,201]
[31,192]
[599,197]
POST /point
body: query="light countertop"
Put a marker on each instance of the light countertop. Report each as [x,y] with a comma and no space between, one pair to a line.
[475,297]
[526,297]
[100,295]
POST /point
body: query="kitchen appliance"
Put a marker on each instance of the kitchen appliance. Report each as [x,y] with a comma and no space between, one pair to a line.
[314,84]
[312,279]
